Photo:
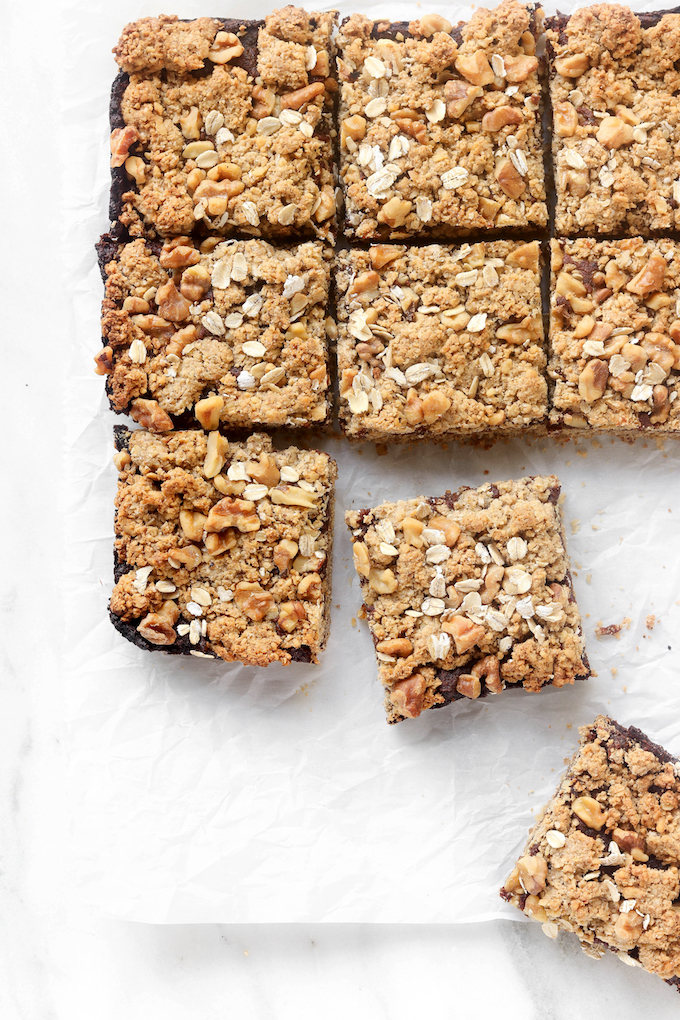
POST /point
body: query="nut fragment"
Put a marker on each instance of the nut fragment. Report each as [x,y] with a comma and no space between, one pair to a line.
[103,361]
[121,141]
[290,615]
[189,556]
[158,628]
[292,495]
[394,212]
[150,415]
[362,561]
[264,470]
[589,811]
[500,117]
[399,647]
[294,100]
[195,283]
[450,529]
[382,581]
[207,412]
[311,588]
[533,872]
[226,46]
[509,179]
[476,68]
[469,686]
[216,453]
[407,695]
[628,927]
[592,382]
[488,670]
[354,128]
[413,529]
[284,554]
[464,633]
[565,119]
[518,69]
[459,96]
[192,524]
[252,600]
[431,23]
[572,66]
[651,276]
[614,133]
[233,513]
[171,305]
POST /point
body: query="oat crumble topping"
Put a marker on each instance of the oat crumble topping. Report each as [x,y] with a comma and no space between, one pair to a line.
[231,331]
[603,859]
[614,88]
[615,335]
[467,593]
[225,126]
[438,341]
[222,548]
[440,126]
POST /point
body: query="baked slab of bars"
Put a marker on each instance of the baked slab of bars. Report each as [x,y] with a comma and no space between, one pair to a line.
[603,859]
[615,336]
[222,548]
[438,341]
[467,593]
[233,331]
[225,125]
[614,88]
[440,130]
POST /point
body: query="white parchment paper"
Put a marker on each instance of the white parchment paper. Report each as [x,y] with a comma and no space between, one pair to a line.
[217,793]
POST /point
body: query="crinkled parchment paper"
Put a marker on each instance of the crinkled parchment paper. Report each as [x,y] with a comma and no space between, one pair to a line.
[212,792]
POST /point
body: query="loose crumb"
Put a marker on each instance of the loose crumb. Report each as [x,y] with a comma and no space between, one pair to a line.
[575,526]
[612,629]
[650,621]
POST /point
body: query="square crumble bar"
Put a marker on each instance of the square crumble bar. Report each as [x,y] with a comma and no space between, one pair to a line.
[614,84]
[233,331]
[225,126]
[440,127]
[437,342]
[222,549]
[467,593]
[603,859]
[615,336]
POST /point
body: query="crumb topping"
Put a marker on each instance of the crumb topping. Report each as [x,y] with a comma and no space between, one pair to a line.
[232,330]
[440,127]
[467,593]
[614,85]
[223,548]
[615,334]
[227,125]
[603,860]
[437,341]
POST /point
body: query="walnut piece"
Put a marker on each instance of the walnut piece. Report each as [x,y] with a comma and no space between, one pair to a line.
[233,513]
[158,628]
[407,695]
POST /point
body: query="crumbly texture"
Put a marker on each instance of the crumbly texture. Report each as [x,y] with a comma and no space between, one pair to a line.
[467,593]
[437,341]
[603,859]
[231,331]
[440,131]
[614,89]
[224,126]
[615,336]
[222,548]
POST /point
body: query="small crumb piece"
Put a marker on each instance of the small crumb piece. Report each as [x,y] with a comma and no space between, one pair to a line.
[650,621]
[613,629]
[575,526]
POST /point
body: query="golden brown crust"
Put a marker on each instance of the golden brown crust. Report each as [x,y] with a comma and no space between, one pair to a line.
[244,144]
[241,322]
[235,536]
[477,584]
[615,336]
[602,861]
[614,88]
[431,363]
[418,157]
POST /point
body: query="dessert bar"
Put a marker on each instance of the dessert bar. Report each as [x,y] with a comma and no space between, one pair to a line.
[222,549]
[468,593]
[225,126]
[615,336]
[602,860]
[440,127]
[614,83]
[231,332]
[437,341]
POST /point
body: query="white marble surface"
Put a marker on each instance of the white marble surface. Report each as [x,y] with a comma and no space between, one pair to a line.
[58,959]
